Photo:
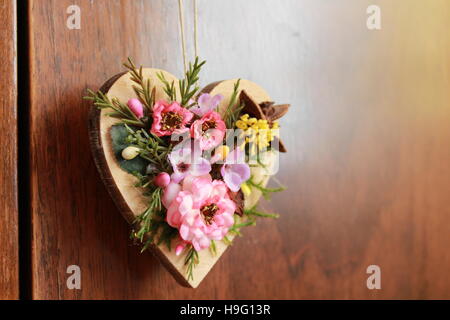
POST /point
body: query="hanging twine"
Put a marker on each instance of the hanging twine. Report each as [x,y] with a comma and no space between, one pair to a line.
[182,33]
[183,40]
[195,28]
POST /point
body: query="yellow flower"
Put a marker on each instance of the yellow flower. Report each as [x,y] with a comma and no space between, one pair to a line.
[244,117]
[257,131]
[222,151]
[246,189]
[241,124]
[262,121]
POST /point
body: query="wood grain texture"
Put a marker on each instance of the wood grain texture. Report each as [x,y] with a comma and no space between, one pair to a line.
[9,254]
[367,134]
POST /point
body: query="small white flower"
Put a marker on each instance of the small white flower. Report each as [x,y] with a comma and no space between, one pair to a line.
[130,153]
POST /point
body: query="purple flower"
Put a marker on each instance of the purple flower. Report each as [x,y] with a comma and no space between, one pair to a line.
[206,103]
[235,171]
[186,159]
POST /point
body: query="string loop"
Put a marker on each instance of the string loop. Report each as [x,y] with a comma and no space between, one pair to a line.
[182,33]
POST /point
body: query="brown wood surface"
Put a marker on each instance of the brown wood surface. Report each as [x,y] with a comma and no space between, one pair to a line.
[9,254]
[368,137]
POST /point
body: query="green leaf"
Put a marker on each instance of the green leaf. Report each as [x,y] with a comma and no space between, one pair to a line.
[119,136]
[233,110]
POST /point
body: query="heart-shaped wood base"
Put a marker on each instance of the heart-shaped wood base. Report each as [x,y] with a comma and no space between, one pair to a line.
[120,184]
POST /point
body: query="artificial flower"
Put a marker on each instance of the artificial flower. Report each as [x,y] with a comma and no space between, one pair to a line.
[202,211]
[220,154]
[162,180]
[209,130]
[235,171]
[180,247]
[130,152]
[206,103]
[169,118]
[257,131]
[186,159]
[266,110]
[246,189]
[170,192]
[136,107]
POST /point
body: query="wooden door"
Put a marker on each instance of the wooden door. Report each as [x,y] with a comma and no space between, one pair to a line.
[9,213]
[368,137]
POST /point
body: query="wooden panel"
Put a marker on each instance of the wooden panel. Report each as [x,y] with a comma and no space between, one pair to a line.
[9,261]
[368,138]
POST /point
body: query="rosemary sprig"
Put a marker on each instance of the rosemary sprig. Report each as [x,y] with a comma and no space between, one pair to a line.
[191,261]
[236,228]
[249,219]
[188,86]
[152,148]
[227,241]
[233,110]
[120,110]
[152,227]
[169,88]
[143,88]
[213,248]
[144,220]
[144,181]
[254,212]
[266,192]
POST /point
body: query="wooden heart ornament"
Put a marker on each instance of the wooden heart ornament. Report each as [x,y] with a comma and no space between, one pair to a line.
[128,122]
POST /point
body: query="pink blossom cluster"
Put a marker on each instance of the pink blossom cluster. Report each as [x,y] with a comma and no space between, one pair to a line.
[197,205]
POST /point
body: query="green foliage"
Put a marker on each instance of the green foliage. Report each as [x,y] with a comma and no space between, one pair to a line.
[227,241]
[233,110]
[266,192]
[151,225]
[254,212]
[144,220]
[169,87]
[236,228]
[188,86]
[191,261]
[143,89]
[152,148]
[213,248]
[119,110]
[249,219]
[119,139]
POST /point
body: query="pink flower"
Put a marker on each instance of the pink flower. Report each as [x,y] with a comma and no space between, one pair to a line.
[136,106]
[162,180]
[202,211]
[180,247]
[169,118]
[209,130]
[170,192]
[206,103]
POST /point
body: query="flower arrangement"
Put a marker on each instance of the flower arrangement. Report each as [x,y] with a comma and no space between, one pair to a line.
[179,149]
